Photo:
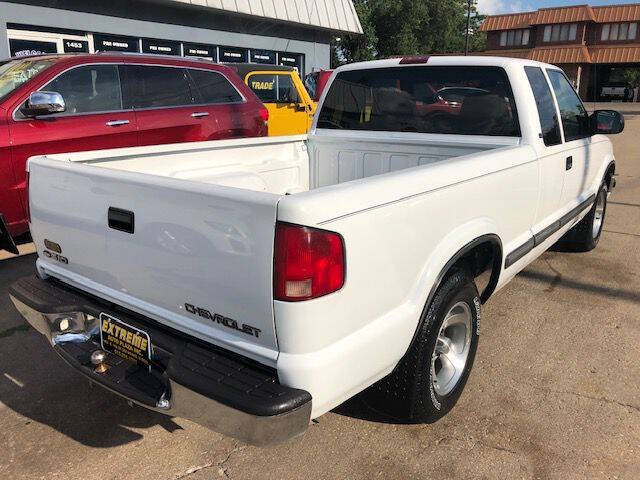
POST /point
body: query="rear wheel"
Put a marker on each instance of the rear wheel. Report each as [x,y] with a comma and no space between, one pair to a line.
[429,379]
[585,236]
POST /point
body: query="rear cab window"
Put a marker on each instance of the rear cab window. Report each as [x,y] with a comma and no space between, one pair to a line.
[469,100]
[274,88]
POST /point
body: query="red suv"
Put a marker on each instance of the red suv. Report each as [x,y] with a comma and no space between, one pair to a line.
[66,103]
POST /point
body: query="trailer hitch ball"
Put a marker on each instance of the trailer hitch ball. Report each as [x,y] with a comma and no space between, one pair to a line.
[97,358]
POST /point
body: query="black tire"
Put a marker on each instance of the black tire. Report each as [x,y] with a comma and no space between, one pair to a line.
[585,236]
[408,393]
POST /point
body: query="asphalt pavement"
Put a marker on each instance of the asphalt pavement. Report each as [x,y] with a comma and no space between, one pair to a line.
[554,394]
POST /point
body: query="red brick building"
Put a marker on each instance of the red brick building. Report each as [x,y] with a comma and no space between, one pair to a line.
[591,44]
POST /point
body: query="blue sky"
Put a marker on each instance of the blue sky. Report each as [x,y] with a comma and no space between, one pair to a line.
[489,7]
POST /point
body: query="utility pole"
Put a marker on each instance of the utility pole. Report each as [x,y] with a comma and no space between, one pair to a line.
[466,37]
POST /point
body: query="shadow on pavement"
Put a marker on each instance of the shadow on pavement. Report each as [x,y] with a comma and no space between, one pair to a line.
[629,295]
[37,384]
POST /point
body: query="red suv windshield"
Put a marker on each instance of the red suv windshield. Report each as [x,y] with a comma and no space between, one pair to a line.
[14,73]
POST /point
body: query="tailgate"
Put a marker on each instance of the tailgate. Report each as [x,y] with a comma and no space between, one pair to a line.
[199,259]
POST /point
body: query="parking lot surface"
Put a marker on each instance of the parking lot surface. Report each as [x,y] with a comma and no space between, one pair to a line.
[555,392]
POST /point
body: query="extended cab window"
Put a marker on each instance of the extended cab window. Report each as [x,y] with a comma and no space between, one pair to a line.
[575,120]
[213,87]
[274,88]
[90,88]
[155,87]
[546,108]
[425,99]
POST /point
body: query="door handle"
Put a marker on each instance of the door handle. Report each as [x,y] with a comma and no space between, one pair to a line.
[199,114]
[115,123]
[569,163]
[123,220]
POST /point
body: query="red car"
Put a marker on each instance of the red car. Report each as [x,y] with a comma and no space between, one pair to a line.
[67,103]
[315,83]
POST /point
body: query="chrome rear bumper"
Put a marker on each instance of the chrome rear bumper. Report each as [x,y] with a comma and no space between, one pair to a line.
[212,387]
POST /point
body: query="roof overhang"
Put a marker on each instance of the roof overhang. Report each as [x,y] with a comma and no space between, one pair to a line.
[336,15]
[576,13]
[580,54]
[615,53]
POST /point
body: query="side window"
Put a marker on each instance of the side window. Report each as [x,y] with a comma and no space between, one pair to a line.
[575,120]
[311,83]
[274,88]
[287,92]
[213,87]
[153,87]
[87,89]
[546,107]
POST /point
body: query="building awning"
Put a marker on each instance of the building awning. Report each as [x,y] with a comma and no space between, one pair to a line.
[578,13]
[615,53]
[581,13]
[617,13]
[336,15]
[553,55]
[507,22]
[559,55]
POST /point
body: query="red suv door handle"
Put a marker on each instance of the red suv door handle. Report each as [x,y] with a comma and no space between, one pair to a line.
[199,114]
[115,123]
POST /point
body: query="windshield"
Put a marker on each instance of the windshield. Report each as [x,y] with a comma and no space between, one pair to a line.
[14,73]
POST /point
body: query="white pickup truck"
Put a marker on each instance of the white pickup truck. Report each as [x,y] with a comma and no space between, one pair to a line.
[252,285]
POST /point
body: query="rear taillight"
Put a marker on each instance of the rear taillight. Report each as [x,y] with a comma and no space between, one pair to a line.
[26,196]
[264,120]
[308,262]
[264,115]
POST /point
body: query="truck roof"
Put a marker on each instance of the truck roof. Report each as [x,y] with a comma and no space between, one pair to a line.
[444,60]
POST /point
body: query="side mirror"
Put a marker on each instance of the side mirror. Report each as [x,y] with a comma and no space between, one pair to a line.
[43,103]
[606,122]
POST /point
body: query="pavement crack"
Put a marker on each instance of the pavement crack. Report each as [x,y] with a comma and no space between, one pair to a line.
[222,469]
[583,395]
[598,399]
[220,464]
[498,448]
[193,470]
[556,280]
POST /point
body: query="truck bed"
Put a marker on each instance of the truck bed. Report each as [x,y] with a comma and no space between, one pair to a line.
[285,165]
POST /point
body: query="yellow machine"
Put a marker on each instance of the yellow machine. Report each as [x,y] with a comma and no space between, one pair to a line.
[290,107]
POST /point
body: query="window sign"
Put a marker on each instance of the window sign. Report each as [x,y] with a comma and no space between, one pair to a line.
[263,56]
[291,60]
[200,50]
[71,46]
[102,43]
[23,48]
[273,88]
[233,54]
[161,47]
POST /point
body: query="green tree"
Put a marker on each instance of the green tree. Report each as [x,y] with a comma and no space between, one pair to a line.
[409,27]
[357,48]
